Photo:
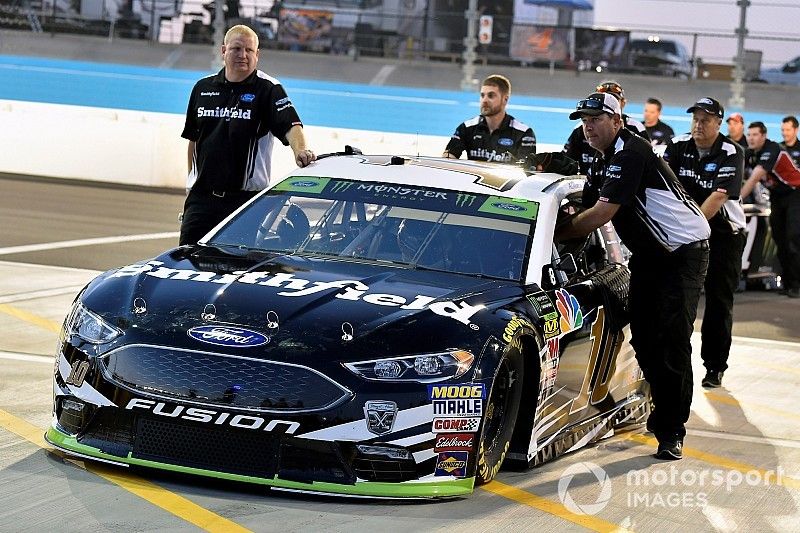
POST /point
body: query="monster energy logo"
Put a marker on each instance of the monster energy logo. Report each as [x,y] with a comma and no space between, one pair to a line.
[465,200]
[341,186]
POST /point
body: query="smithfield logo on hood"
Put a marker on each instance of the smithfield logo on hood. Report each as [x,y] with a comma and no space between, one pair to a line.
[296,287]
[228,336]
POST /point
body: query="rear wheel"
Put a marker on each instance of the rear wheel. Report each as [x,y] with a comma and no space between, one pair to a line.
[500,415]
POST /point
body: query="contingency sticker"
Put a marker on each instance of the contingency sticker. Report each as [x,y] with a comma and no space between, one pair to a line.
[452,464]
[511,207]
[309,185]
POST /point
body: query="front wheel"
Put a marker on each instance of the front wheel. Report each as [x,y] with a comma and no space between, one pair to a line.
[502,408]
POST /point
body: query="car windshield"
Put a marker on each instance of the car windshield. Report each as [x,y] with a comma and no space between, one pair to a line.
[410,226]
[666,47]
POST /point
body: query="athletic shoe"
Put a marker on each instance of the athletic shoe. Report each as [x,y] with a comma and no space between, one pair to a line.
[670,450]
[712,380]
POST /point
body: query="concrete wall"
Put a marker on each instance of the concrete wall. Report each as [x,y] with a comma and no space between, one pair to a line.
[143,148]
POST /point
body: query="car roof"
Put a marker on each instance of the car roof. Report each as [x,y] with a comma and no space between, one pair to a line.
[460,175]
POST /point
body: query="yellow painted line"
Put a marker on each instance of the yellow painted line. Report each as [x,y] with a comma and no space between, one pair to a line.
[591,523]
[728,400]
[36,320]
[768,476]
[158,496]
[772,366]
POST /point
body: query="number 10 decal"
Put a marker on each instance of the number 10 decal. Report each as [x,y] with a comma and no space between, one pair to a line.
[600,369]
[77,373]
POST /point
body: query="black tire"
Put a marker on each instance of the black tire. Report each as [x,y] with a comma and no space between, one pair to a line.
[500,414]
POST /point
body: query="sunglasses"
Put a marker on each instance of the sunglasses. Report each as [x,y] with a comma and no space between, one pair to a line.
[610,88]
[591,103]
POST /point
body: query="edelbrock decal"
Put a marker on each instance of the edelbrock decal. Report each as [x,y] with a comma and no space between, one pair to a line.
[293,286]
[228,336]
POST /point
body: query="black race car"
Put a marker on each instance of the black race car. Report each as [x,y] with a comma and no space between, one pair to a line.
[370,325]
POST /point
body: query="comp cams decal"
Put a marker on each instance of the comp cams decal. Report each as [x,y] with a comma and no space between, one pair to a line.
[293,286]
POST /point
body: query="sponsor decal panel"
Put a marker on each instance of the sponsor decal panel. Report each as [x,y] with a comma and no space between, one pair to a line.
[515,324]
[452,464]
[456,424]
[450,442]
[570,311]
[511,207]
[541,303]
[454,407]
[439,392]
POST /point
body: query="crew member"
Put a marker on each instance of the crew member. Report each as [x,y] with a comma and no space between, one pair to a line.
[667,234]
[789,132]
[494,135]
[659,132]
[736,130]
[711,168]
[578,148]
[231,121]
[775,168]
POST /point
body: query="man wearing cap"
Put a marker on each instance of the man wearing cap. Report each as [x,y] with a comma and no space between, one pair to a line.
[667,234]
[711,168]
[578,148]
[775,168]
[736,130]
[494,135]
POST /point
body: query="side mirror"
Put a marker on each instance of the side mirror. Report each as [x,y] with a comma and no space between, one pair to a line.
[557,273]
[567,265]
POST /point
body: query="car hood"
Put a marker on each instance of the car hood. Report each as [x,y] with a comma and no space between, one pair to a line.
[302,303]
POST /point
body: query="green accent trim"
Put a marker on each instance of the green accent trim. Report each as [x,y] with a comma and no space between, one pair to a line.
[317,188]
[432,489]
[527,209]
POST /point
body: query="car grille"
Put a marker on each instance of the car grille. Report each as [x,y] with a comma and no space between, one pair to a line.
[215,379]
[387,470]
[235,452]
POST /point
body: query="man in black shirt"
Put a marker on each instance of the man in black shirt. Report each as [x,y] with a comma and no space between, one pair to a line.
[711,168]
[775,168]
[736,130]
[494,135]
[659,132]
[667,234]
[789,127]
[231,122]
[578,148]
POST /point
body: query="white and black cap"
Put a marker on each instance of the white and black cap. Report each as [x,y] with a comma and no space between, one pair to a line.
[597,104]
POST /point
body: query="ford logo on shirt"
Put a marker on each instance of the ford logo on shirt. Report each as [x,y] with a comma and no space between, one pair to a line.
[247,97]
[304,184]
[710,167]
[508,207]
[228,336]
[505,141]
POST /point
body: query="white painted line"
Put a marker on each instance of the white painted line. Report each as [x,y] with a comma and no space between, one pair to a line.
[754,340]
[87,242]
[14,264]
[383,74]
[44,293]
[172,58]
[387,97]
[93,74]
[14,356]
[784,443]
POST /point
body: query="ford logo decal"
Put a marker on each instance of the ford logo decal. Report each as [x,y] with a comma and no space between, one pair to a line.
[228,336]
[304,184]
[509,207]
[505,141]
[247,97]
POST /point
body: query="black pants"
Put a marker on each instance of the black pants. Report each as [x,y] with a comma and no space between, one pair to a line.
[724,271]
[664,292]
[784,220]
[203,210]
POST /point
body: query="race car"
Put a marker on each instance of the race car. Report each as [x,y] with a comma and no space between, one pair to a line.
[377,326]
